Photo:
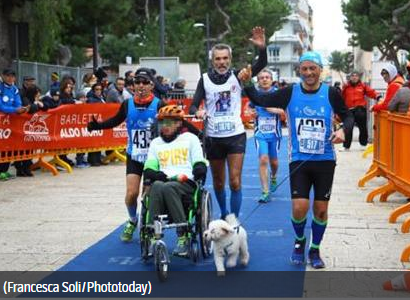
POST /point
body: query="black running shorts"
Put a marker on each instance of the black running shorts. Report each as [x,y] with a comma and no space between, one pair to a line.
[134,167]
[316,174]
[219,148]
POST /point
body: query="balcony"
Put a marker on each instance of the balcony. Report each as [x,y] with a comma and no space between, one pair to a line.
[284,59]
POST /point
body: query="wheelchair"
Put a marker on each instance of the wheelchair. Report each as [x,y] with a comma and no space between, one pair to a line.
[199,214]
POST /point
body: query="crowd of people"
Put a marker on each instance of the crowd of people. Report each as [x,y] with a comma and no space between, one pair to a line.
[310,108]
[94,88]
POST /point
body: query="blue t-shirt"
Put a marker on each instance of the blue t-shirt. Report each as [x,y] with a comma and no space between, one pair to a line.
[139,122]
[310,125]
[268,125]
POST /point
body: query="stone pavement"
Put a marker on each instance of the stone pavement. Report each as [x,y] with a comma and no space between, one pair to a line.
[45,221]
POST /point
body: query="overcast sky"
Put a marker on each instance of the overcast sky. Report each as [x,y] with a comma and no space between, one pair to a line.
[328,27]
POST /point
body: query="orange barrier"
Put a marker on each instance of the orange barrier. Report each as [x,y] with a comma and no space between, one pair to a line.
[391,160]
[59,131]
[64,130]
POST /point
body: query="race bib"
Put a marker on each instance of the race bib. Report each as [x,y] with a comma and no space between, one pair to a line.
[141,140]
[311,136]
[266,125]
[223,125]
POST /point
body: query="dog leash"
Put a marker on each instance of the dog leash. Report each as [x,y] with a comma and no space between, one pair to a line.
[280,183]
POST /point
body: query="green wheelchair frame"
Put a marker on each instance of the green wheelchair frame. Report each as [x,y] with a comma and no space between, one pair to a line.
[198,218]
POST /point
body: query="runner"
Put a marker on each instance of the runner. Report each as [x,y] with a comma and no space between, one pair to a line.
[310,106]
[268,134]
[226,137]
[139,113]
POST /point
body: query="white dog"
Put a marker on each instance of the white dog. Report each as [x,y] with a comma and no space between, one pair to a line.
[229,240]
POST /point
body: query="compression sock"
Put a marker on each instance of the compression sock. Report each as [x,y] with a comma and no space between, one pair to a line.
[318,230]
[221,198]
[132,213]
[236,201]
[299,227]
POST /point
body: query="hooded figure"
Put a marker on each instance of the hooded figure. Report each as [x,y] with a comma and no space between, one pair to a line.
[394,82]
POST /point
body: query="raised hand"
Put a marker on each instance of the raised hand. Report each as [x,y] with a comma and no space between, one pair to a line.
[245,74]
[258,37]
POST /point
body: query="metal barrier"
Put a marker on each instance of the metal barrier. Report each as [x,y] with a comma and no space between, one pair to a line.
[42,73]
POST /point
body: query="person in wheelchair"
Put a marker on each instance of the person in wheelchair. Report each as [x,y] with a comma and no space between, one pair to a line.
[175,161]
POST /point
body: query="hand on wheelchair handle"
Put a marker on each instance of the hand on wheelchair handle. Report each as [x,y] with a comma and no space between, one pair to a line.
[180,178]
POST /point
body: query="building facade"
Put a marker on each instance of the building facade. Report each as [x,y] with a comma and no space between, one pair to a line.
[287,44]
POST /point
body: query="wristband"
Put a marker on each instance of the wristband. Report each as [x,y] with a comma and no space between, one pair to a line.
[248,83]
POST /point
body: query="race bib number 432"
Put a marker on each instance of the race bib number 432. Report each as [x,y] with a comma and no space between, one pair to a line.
[311,135]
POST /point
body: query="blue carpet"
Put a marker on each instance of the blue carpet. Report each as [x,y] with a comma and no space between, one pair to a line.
[270,235]
[269,230]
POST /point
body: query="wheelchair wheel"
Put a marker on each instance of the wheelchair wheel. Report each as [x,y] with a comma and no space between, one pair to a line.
[205,219]
[194,250]
[144,245]
[161,261]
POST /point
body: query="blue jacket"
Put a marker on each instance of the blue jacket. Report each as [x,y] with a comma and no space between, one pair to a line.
[10,99]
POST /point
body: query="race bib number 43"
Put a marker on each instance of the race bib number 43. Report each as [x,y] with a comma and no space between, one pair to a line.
[311,135]
[141,140]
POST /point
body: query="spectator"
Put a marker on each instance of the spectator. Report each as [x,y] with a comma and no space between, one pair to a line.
[28,82]
[394,82]
[33,94]
[400,101]
[95,96]
[66,92]
[10,102]
[55,83]
[178,91]
[53,100]
[354,93]
[67,97]
[129,75]
[89,79]
[129,89]
[115,95]
[336,85]
[81,97]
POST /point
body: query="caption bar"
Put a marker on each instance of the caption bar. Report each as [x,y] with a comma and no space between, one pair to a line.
[78,287]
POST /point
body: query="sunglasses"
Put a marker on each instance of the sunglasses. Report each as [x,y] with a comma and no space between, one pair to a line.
[144,82]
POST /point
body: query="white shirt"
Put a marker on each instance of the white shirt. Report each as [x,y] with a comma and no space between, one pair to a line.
[223,105]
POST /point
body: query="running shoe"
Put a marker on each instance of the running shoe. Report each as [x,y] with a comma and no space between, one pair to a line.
[128,231]
[298,254]
[314,259]
[264,198]
[182,247]
[273,184]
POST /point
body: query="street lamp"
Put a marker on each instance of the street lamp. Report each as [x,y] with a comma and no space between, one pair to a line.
[162,27]
[208,45]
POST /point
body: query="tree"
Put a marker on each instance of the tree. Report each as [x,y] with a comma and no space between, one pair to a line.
[230,22]
[384,24]
[341,62]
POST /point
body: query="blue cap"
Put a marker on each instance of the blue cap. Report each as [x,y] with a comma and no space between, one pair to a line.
[312,56]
